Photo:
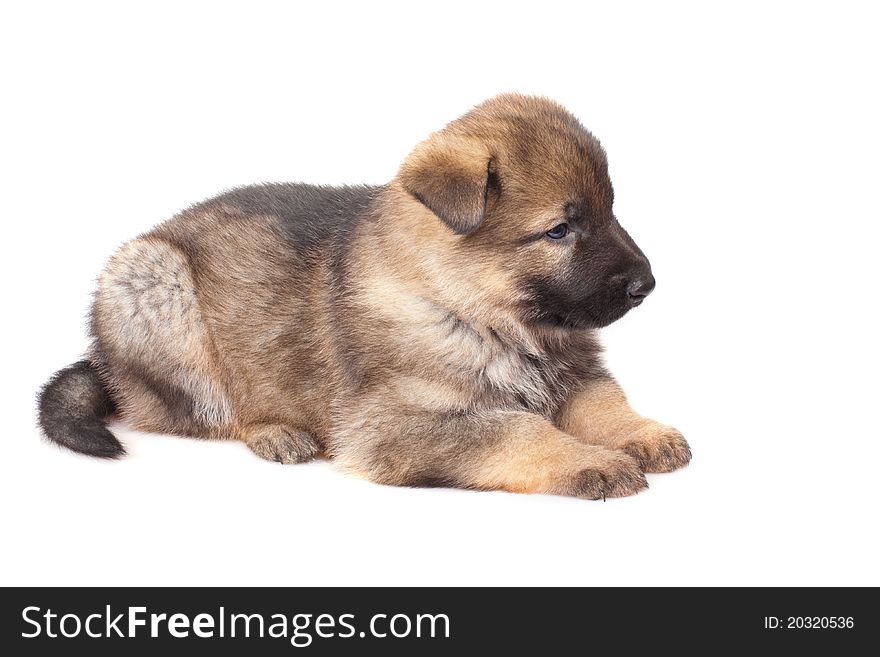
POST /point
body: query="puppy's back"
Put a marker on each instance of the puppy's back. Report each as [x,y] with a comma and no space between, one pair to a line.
[313,217]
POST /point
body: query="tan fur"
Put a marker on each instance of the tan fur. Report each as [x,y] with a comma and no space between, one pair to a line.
[599,414]
[277,442]
[403,351]
[538,458]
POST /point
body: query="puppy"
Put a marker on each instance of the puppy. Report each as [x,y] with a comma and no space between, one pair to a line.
[439,330]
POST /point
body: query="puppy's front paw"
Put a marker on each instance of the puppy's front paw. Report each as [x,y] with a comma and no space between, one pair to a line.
[657,447]
[618,476]
[276,442]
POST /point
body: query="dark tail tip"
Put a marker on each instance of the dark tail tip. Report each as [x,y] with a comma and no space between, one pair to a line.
[73,406]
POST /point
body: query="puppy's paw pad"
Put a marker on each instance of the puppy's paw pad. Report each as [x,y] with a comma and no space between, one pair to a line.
[619,477]
[281,444]
[658,448]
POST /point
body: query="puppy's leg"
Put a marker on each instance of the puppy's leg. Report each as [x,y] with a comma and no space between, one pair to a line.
[152,343]
[500,450]
[278,442]
[599,414]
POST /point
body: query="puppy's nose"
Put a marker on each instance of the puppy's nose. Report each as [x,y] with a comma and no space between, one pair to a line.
[638,289]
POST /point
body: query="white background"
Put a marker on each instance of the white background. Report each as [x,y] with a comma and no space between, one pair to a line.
[743,145]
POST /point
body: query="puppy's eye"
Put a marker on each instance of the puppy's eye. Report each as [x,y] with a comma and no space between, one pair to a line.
[558,232]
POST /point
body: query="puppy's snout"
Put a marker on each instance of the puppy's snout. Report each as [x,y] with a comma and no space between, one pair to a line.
[640,287]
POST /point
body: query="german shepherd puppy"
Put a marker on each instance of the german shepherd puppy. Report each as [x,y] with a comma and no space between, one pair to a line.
[439,330]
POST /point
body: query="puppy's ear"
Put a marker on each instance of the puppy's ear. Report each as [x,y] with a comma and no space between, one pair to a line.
[450,175]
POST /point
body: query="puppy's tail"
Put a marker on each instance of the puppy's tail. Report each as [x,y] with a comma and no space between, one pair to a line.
[73,407]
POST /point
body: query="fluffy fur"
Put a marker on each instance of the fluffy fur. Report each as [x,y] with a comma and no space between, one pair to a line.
[425,332]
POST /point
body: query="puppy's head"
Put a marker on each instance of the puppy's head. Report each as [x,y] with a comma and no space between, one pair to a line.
[521,184]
